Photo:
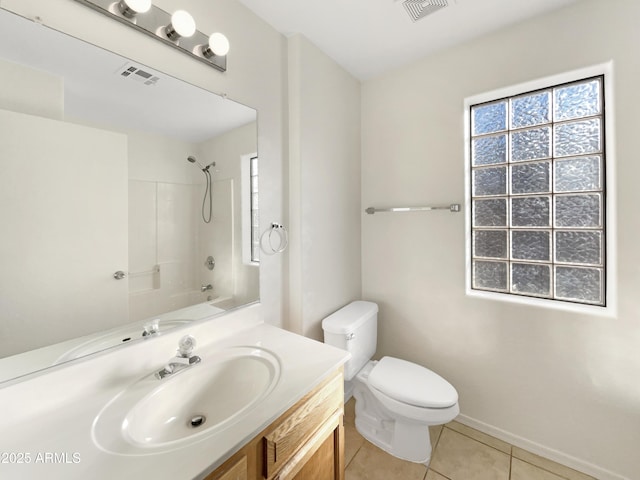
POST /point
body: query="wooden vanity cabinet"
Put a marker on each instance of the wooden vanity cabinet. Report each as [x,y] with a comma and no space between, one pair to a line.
[305,443]
[236,471]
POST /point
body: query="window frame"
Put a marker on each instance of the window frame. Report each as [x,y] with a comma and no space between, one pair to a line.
[609,219]
[246,205]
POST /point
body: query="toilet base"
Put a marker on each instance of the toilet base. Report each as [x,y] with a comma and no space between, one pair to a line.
[397,443]
[405,440]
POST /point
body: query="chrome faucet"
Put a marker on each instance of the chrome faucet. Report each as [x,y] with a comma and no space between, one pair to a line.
[183,359]
[151,328]
[204,288]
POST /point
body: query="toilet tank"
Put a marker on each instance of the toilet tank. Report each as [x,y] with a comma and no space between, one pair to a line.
[353,328]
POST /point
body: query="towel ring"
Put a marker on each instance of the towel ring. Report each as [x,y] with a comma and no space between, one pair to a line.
[283,239]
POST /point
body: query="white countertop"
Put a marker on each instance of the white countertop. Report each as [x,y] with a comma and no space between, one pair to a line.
[56,440]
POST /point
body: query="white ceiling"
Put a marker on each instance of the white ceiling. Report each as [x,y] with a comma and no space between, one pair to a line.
[95,92]
[369,37]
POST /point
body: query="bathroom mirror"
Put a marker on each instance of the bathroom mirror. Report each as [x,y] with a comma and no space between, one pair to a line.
[124,200]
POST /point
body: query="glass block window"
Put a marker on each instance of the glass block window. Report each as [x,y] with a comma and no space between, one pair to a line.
[253,206]
[537,194]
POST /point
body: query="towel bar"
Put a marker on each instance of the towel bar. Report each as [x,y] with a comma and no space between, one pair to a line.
[454,207]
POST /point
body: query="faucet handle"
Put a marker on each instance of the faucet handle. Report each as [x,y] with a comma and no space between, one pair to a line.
[151,327]
[186,346]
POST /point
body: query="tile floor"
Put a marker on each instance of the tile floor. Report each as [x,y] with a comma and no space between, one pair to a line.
[459,453]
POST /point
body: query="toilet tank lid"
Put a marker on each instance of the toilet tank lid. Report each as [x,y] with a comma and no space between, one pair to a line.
[349,317]
[412,384]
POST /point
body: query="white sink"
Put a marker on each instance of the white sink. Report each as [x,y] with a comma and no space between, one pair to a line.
[152,416]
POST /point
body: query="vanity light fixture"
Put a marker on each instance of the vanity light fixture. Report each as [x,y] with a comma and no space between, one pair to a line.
[218,45]
[177,30]
[182,25]
[131,8]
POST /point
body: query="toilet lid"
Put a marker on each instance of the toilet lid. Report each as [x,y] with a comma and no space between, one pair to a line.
[413,384]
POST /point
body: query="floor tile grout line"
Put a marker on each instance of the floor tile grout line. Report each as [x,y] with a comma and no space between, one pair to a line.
[483,443]
[433,448]
[354,455]
[434,470]
[510,464]
[546,469]
[510,454]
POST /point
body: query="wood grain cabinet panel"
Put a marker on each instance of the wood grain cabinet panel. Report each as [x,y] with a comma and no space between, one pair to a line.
[295,430]
[305,443]
[236,471]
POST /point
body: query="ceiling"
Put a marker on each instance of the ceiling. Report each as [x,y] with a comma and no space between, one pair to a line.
[370,37]
[96,92]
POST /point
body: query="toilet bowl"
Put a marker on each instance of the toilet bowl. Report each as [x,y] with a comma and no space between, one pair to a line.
[396,400]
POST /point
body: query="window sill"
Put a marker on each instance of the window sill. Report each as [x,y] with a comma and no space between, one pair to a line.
[584,309]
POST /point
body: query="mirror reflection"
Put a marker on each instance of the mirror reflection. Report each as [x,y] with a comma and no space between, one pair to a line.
[128,200]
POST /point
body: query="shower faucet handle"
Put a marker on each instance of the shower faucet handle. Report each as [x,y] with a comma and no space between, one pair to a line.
[119,275]
[210,263]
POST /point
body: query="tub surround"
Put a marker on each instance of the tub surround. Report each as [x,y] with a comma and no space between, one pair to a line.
[53,414]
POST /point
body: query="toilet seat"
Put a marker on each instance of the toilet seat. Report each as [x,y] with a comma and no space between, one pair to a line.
[411,384]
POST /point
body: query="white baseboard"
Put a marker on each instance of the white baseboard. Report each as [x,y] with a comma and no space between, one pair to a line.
[546,452]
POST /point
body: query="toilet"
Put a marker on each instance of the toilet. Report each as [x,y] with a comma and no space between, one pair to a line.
[396,400]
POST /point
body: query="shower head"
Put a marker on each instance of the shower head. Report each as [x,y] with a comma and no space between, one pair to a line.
[209,191]
[192,159]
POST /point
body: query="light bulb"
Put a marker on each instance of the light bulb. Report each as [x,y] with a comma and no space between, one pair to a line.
[218,46]
[130,8]
[182,25]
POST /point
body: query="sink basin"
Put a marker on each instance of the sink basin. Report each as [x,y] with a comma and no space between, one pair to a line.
[116,337]
[152,415]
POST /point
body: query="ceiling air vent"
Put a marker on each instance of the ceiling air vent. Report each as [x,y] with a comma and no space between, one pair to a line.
[418,9]
[131,71]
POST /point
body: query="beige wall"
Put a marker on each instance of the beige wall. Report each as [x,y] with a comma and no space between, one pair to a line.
[559,383]
[324,187]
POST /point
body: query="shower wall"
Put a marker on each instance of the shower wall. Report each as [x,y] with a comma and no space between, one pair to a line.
[168,240]
[163,202]
[226,150]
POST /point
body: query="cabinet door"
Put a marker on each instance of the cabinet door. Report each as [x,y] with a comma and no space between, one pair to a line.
[237,471]
[321,457]
[326,463]
[292,433]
